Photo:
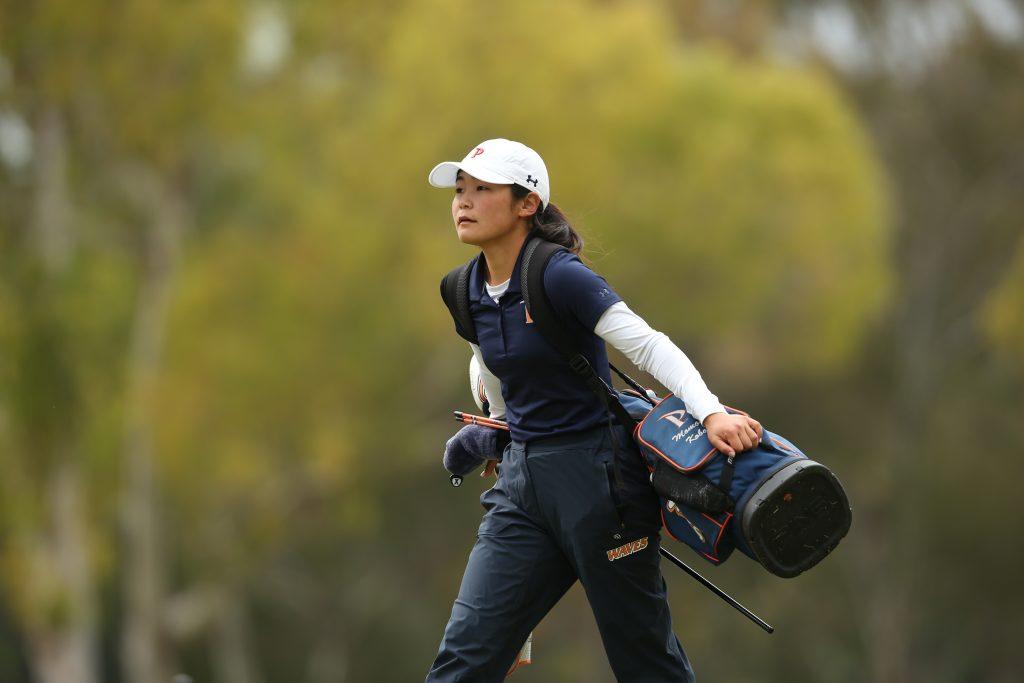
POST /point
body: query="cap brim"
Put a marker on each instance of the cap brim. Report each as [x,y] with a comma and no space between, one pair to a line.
[445,173]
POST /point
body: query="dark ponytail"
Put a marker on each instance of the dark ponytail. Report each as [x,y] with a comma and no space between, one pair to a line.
[551,224]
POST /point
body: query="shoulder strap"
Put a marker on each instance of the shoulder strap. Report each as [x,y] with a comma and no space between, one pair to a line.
[535,260]
[455,293]
[538,253]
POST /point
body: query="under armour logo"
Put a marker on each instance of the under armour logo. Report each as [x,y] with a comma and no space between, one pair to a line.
[531,179]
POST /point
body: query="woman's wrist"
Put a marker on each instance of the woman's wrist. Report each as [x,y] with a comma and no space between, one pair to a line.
[717,411]
[707,417]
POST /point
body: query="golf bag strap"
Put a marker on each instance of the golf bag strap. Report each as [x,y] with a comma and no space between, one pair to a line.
[725,482]
[538,253]
[455,293]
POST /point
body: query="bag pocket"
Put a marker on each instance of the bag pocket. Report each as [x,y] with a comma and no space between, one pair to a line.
[706,534]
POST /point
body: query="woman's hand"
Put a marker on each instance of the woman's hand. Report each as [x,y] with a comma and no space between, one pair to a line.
[731,434]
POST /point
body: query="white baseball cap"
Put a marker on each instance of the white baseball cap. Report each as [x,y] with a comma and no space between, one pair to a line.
[502,161]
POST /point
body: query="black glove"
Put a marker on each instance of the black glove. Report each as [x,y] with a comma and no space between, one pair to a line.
[472,446]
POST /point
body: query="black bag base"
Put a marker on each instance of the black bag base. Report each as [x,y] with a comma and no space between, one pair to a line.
[796,517]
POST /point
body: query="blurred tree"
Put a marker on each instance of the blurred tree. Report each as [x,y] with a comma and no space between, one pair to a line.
[949,126]
[939,85]
[47,556]
[1003,315]
[119,100]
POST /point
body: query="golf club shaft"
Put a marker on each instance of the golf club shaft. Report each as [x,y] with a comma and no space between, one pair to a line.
[717,591]
[479,420]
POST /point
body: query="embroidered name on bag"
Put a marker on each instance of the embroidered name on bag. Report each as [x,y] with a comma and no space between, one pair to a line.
[627,549]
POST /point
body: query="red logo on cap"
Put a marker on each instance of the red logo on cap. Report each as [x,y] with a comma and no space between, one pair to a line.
[477,152]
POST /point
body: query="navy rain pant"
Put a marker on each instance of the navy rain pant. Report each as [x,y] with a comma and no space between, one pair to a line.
[551,519]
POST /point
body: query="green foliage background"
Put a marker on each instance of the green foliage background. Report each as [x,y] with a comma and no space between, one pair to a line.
[219,317]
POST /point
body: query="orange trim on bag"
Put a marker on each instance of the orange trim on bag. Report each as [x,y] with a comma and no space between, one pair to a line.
[736,410]
[783,446]
[715,521]
[669,460]
[721,532]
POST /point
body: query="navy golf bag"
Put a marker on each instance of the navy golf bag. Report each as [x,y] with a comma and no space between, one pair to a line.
[772,502]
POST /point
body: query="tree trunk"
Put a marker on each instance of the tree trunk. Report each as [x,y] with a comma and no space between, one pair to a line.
[62,616]
[51,235]
[232,656]
[63,643]
[143,651]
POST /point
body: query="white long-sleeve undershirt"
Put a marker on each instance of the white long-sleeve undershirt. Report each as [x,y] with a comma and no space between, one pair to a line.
[654,353]
[650,350]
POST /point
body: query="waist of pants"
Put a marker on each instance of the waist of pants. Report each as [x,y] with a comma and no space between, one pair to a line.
[590,438]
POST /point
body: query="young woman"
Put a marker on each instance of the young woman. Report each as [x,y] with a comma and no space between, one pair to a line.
[557,512]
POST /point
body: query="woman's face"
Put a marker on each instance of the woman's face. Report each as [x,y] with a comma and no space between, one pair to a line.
[483,212]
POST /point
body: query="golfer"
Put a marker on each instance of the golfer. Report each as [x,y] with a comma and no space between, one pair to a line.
[558,512]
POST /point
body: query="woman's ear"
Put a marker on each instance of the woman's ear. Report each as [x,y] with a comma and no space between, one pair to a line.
[530,206]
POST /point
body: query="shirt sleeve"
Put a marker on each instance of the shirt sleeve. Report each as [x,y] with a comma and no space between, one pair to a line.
[654,353]
[575,290]
[492,386]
